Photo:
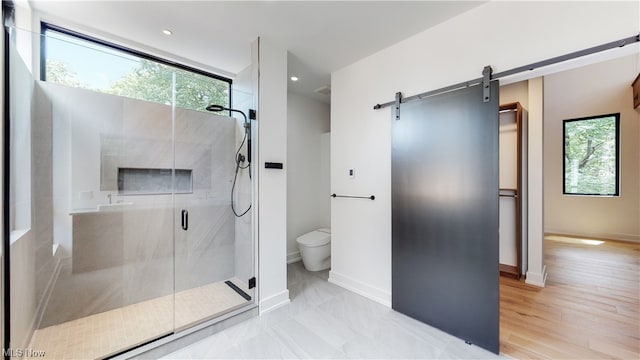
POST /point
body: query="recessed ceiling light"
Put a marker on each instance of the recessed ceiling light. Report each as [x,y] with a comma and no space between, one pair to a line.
[167,32]
[294,78]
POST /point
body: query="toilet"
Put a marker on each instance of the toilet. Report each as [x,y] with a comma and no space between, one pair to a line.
[315,249]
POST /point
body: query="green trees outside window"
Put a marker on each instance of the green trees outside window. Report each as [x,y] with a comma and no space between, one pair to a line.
[80,62]
[152,81]
[591,151]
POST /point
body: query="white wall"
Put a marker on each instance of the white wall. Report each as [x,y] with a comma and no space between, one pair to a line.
[21,63]
[23,301]
[21,80]
[325,180]
[536,270]
[32,263]
[308,200]
[596,89]
[501,34]
[272,183]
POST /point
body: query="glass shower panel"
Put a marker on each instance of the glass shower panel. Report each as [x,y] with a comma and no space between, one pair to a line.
[92,240]
[207,280]
[121,206]
[243,192]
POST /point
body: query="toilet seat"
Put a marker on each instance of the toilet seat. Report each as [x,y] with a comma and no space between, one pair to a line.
[314,238]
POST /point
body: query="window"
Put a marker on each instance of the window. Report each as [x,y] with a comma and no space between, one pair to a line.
[591,151]
[73,59]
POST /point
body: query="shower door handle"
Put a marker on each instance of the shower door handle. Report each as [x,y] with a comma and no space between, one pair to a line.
[185,219]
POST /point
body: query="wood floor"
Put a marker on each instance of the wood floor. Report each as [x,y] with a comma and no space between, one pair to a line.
[588,309]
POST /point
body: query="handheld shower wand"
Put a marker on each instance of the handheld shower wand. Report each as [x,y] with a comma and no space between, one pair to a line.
[239,158]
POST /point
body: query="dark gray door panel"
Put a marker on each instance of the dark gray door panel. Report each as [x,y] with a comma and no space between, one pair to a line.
[445,214]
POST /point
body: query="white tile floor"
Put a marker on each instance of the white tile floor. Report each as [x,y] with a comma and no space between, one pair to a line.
[325,321]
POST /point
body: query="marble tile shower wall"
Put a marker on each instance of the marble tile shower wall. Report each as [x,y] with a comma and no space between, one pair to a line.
[42,175]
[121,257]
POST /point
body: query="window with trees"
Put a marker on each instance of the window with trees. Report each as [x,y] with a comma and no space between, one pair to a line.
[77,60]
[591,152]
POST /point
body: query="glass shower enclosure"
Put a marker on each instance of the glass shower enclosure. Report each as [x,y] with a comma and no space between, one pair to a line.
[121,227]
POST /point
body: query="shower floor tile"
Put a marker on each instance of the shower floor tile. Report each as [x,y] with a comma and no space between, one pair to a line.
[107,333]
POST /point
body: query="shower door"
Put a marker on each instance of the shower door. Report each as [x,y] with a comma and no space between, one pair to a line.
[213,247]
[120,222]
[91,236]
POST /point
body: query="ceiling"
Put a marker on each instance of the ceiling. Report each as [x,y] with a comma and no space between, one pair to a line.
[321,36]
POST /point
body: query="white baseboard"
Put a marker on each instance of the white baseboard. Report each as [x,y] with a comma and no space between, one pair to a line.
[537,279]
[274,301]
[293,257]
[607,236]
[358,287]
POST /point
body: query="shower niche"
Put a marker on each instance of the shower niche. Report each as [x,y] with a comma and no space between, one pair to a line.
[139,181]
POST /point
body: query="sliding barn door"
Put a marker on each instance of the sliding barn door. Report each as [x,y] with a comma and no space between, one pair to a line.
[445,214]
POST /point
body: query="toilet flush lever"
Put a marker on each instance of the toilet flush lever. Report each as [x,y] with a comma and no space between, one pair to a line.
[185,220]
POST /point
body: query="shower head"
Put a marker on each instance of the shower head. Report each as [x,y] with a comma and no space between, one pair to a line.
[247,123]
[216,108]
